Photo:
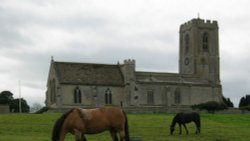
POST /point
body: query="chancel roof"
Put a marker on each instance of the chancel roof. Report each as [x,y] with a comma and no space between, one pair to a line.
[88,74]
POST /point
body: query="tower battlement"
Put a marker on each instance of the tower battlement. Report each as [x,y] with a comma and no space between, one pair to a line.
[200,23]
[129,61]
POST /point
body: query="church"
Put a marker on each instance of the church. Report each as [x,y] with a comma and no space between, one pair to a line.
[72,84]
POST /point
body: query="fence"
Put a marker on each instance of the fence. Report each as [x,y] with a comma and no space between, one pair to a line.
[4,108]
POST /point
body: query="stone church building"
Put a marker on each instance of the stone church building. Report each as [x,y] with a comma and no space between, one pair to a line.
[73,84]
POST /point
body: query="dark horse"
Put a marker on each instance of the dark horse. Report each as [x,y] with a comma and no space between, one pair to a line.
[92,121]
[183,118]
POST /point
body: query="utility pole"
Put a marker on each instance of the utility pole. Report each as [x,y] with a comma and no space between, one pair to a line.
[20,101]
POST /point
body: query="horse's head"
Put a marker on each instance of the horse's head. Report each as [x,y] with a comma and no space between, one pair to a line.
[171,130]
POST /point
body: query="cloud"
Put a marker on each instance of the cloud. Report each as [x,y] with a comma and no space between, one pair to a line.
[113,30]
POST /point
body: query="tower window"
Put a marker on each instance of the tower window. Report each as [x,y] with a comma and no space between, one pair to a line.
[205,42]
[186,43]
[77,95]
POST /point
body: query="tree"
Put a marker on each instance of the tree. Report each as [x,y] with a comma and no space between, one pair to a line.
[6,97]
[35,107]
[244,101]
[228,102]
[14,105]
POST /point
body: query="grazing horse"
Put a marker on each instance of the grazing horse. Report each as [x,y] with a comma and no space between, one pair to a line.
[183,118]
[92,121]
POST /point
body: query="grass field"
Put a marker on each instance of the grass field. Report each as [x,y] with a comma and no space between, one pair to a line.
[150,127]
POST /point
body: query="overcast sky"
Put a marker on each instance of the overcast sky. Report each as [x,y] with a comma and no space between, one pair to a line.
[108,31]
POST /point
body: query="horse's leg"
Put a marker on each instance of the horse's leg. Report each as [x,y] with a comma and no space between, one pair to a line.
[179,128]
[113,135]
[122,135]
[62,136]
[83,138]
[185,128]
[198,130]
[78,135]
[197,122]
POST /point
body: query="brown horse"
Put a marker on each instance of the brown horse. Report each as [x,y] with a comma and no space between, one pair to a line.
[92,121]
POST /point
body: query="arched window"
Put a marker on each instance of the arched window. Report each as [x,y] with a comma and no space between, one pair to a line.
[150,97]
[77,95]
[187,40]
[177,96]
[108,96]
[203,62]
[52,91]
[205,42]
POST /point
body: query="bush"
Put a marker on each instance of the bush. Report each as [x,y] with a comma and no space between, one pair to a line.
[210,106]
[42,110]
[245,108]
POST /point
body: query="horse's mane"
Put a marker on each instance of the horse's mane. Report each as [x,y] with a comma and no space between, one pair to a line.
[58,125]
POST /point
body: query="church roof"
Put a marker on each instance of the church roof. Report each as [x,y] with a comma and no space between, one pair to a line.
[88,74]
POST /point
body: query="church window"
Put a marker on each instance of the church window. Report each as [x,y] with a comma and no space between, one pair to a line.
[177,96]
[203,62]
[52,91]
[77,95]
[150,97]
[187,40]
[205,40]
[108,96]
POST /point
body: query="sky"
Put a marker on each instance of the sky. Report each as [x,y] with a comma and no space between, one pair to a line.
[108,31]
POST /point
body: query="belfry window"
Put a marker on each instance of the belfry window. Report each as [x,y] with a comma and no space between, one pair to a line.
[77,95]
[205,40]
[108,96]
[187,43]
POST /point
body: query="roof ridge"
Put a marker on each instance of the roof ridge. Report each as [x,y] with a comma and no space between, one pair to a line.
[62,62]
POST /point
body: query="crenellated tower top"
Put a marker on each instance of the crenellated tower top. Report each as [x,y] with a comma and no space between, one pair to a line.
[129,61]
[200,23]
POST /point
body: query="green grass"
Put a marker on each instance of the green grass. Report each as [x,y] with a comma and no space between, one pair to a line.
[151,127]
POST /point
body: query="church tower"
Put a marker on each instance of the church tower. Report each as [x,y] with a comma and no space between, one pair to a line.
[199,49]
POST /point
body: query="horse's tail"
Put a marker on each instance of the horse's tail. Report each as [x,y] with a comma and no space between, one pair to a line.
[58,125]
[127,138]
